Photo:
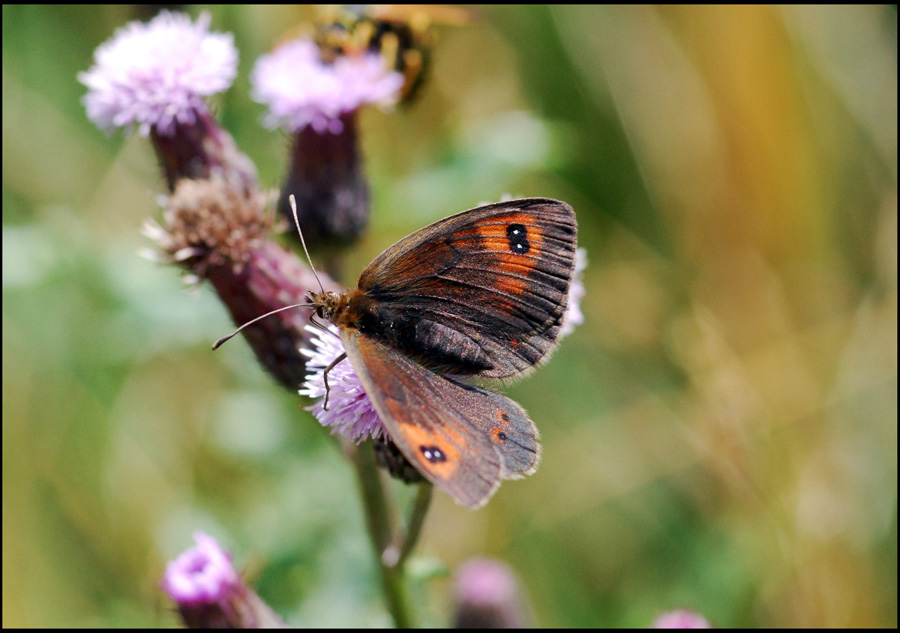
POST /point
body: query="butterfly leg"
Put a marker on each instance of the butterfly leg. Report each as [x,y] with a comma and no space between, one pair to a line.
[325,376]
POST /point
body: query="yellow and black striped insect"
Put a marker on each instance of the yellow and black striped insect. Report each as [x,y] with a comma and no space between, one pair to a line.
[401,34]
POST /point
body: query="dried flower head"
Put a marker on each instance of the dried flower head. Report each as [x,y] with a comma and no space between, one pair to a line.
[211,223]
[217,231]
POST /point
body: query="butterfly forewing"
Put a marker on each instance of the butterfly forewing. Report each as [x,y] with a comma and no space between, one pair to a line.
[479,293]
[462,438]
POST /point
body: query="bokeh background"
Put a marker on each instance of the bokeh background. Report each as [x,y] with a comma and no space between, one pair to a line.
[720,434]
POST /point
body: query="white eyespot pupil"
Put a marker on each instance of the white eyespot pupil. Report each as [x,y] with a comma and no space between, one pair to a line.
[433,454]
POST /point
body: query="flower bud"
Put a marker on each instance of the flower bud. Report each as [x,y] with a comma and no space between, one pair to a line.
[488,596]
[210,594]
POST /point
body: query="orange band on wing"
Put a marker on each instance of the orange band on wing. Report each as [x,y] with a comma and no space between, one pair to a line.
[514,240]
[439,453]
[496,236]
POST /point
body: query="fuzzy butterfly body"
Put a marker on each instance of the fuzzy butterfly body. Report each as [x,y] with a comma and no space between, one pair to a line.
[479,295]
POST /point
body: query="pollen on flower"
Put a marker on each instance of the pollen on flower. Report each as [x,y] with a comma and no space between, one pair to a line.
[300,89]
[156,74]
[350,412]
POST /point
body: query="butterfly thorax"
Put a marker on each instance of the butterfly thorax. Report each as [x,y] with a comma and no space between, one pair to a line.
[345,310]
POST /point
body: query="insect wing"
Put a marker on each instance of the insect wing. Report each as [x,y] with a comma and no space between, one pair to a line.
[463,438]
[492,282]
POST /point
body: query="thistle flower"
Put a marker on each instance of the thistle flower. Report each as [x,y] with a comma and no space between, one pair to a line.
[209,593]
[350,412]
[573,315]
[681,619]
[156,76]
[217,231]
[202,574]
[301,90]
[318,102]
[488,596]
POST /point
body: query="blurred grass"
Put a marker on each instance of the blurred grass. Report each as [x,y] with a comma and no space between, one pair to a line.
[721,433]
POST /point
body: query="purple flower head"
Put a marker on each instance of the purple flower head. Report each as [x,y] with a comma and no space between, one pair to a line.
[681,619]
[350,412]
[209,593]
[300,89]
[201,575]
[573,315]
[156,74]
[488,596]
[483,581]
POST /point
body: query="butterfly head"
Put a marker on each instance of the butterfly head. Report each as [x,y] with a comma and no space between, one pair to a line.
[328,305]
[323,303]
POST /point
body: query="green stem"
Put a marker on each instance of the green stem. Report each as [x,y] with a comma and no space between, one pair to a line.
[416,521]
[378,517]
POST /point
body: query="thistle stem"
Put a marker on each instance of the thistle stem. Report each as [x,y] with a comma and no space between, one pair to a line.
[416,521]
[379,513]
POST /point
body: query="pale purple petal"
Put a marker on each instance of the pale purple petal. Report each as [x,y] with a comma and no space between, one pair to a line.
[483,581]
[156,74]
[681,619]
[488,596]
[300,89]
[350,412]
[202,575]
[573,315]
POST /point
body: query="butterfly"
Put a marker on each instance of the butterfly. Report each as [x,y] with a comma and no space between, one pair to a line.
[477,296]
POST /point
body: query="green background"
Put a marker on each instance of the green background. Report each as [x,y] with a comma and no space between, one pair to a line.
[720,434]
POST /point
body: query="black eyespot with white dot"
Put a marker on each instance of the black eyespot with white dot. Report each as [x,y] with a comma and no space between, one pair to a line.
[517,235]
[433,454]
[501,436]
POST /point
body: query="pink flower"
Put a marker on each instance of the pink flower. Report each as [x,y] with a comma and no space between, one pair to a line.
[488,596]
[350,412]
[201,575]
[681,619]
[573,315]
[209,593]
[156,74]
[300,89]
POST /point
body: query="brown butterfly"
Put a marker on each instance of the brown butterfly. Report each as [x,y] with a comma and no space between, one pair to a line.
[479,295]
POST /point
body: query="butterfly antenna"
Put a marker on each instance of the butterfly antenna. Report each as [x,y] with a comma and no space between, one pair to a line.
[293,202]
[222,340]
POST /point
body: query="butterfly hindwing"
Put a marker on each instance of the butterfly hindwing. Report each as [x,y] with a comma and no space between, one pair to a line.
[463,438]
